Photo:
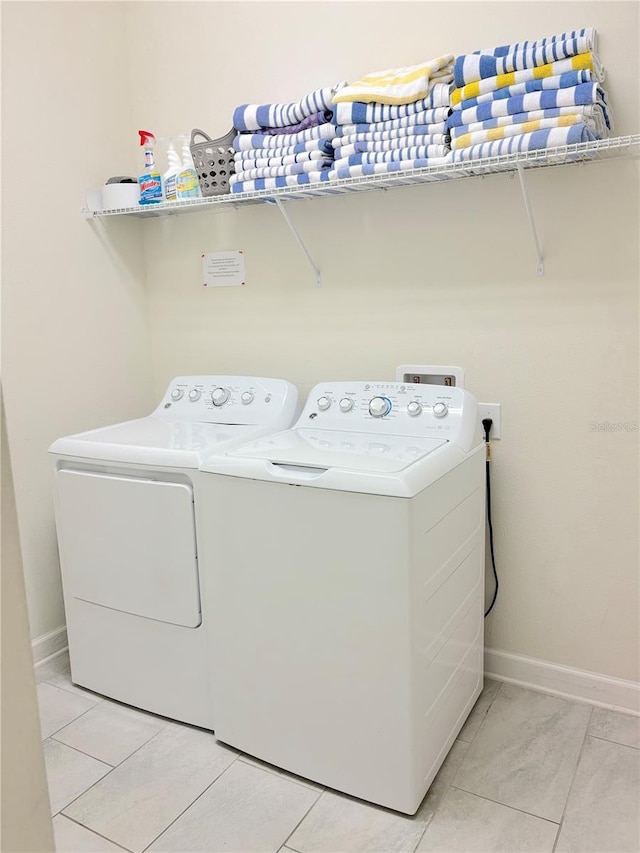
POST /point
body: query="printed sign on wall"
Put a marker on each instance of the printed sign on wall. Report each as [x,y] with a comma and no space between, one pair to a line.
[223,269]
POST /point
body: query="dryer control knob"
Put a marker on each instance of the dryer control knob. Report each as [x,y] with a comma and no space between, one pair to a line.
[177,393]
[219,396]
[247,397]
[414,408]
[440,409]
[346,404]
[379,407]
[324,403]
[194,394]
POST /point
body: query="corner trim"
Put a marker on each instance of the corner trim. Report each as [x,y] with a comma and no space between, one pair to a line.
[49,644]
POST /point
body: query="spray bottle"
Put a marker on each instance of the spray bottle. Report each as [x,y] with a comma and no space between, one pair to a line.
[187,184]
[150,180]
[171,175]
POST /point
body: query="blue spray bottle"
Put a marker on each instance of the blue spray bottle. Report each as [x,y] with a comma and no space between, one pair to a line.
[150,180]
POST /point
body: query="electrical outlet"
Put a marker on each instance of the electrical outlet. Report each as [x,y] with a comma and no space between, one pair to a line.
[493,411]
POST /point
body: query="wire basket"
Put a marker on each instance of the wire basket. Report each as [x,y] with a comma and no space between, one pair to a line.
[214,161]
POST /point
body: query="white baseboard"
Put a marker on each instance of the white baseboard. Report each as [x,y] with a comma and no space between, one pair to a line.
[577,684]
[49,644]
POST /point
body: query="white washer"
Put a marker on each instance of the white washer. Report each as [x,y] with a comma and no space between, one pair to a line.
[347,630]
[128,540]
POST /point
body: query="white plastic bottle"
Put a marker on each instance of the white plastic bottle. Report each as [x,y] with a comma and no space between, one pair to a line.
[171,175]
[187,183]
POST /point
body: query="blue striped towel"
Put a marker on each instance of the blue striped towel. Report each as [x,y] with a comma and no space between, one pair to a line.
[554,118]
[277,183]
[243,161]
[246,141]
[475,66]
[418,145]
[420,152]
[277,171]
[358,113]
[555,137]
[431,117]
[255,116]
[402,136]
[503,50]
[368,169]
[560,81]
[585,93]
[323,146]
[476,137]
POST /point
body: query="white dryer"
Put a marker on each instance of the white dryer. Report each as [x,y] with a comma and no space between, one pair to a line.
[125,498]
[347,630]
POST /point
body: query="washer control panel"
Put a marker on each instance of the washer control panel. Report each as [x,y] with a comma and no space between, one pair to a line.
[228,400]
[390,408]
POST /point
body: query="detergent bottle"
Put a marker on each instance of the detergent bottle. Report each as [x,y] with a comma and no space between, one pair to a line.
[187,183]
[171,175]
[150,180]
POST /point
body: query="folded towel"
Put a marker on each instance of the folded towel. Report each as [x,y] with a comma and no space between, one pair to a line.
[393,150]
[464,140]
[398,85]
[403,136]
[436,104]
[592,115]
[561,81]
[380,142]
[583,61]
[585,93]
[587,32]
[277,183]
[257,116]
[424,117]
[277,171]
[245,141]
[555,137]
[367,169]
[420,152]
[314,120]
[246,160]
[314,146]
[475,66]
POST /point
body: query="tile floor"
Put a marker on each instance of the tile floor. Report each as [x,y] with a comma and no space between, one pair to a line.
[529,772]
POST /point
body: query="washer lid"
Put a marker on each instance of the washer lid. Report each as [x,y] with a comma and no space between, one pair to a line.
[155,441]
[352,451]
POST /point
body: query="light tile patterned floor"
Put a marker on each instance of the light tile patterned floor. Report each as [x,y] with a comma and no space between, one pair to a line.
[529,772]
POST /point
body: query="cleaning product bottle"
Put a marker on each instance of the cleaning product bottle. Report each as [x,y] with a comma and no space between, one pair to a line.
[171,175]
[187,183]
[150,180]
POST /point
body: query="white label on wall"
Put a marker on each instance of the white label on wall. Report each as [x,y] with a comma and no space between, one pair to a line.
[223,269]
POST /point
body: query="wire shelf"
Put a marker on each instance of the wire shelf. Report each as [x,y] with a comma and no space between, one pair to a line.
[619,147]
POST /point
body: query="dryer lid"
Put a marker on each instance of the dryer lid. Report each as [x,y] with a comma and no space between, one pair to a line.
[351,451]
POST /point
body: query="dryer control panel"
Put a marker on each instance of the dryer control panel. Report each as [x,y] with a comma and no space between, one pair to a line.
[392,408]
[229,400]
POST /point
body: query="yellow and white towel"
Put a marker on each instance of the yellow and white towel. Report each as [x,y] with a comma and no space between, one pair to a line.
[399,85]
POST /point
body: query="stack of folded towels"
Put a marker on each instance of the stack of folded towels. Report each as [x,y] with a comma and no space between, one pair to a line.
[393,120]
[282,145]
[528,96]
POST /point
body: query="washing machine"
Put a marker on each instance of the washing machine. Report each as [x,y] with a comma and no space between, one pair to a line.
[125,501]
[347,628]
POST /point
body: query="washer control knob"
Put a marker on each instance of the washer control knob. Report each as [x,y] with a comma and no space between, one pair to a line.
[379,406]
[194,394]
[414,408]
[324,403]
[247,397]
[440,409]
[219,396]
[346,404]
[177,394]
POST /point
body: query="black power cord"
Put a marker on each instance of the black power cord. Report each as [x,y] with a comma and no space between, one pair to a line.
[487,423]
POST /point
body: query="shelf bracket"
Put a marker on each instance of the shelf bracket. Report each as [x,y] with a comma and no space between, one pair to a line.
[316,271]
[532,224]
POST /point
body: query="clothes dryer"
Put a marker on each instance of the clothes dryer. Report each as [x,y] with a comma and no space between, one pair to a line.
[125,500]
[347,629]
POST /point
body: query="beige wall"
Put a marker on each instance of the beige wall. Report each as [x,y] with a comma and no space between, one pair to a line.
[75,344]
[439,273]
